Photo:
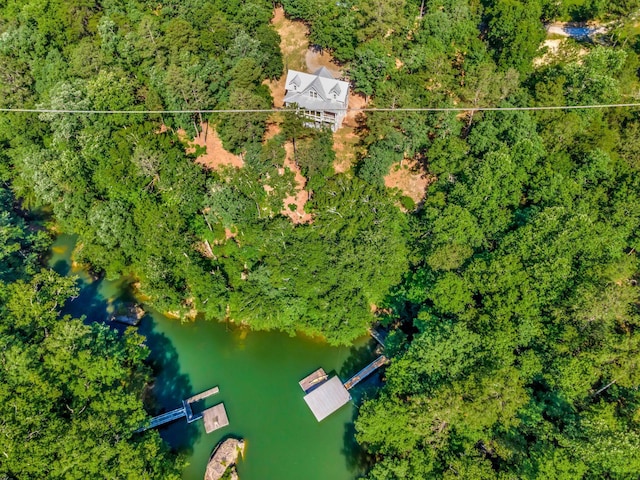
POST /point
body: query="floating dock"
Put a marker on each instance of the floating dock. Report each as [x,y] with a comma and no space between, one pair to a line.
[327,398]
[203,395]
[215,418]
[312,381]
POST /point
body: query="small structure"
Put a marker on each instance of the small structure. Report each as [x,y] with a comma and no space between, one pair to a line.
[319,97]
[327,398]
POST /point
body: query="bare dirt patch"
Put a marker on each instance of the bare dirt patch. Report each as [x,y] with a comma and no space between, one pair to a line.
[315,59]
[410,179]
[345,140]
[215,156]
[294,42]
[301,197]
[293,45]
[558,49]
[345,143]
[273,129]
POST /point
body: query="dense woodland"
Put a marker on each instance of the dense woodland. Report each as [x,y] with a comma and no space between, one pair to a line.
[510,292]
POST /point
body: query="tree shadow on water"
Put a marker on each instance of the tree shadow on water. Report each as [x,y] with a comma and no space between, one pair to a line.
[358,460]
[169,388]
[358,359]
[88,303]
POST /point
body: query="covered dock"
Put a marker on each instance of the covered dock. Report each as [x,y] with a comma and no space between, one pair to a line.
[327,398]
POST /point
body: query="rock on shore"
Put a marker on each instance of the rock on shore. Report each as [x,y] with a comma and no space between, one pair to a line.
[223,458]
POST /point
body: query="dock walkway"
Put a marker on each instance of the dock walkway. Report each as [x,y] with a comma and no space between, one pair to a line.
[166,418]
[214,418]
[365,372]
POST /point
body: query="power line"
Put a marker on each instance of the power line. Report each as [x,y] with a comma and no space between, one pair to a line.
[275,110]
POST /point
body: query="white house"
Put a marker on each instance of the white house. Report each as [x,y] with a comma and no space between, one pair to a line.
[319,97]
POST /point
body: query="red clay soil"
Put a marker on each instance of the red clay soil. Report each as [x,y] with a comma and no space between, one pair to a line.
[300,199]
[410,179]
[273,129]
[215,156]
[316,59]
[345,139]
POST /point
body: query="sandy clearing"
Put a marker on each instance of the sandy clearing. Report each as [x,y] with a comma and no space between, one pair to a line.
[315,59]
[558,49]
[410,179]
[215,156]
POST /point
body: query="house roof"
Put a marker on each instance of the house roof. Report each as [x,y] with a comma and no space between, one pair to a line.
[299,84]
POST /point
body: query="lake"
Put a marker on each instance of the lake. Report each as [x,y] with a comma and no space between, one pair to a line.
[257,373]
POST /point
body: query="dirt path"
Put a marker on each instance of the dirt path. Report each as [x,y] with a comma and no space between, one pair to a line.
[293,45]
[345,140]
[301,197]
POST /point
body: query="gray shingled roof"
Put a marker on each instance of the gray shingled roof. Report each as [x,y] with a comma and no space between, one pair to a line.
[298,85]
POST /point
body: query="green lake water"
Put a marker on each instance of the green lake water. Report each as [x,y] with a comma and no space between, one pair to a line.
[257,373]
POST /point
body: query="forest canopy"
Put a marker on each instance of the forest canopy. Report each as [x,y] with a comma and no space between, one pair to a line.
[70,393]
[511,290]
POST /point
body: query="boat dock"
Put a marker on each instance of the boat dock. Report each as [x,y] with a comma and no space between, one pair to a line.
[327,398]
[325,395]
[214,417]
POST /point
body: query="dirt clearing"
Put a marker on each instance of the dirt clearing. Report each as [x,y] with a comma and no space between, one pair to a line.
[410,179]
[301,197]
[215,156]
[345,140]
[315,59]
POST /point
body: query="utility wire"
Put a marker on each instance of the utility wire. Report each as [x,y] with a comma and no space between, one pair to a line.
[274,110]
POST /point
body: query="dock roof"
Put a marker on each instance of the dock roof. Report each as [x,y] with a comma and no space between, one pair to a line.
[327,398]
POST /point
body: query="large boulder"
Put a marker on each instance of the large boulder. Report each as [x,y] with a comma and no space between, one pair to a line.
[223,458]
